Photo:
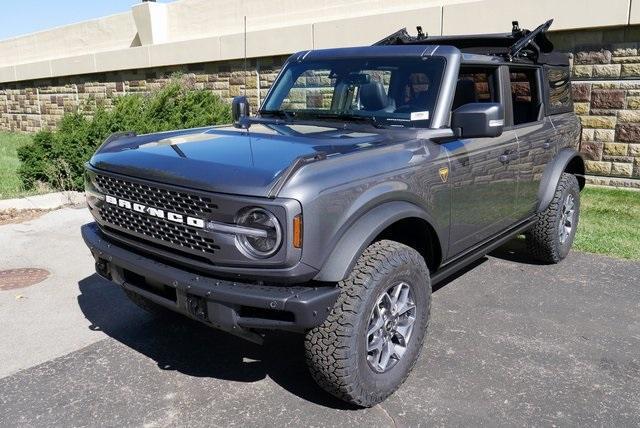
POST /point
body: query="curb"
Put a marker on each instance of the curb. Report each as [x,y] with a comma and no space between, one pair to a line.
[49,201]
[613,182]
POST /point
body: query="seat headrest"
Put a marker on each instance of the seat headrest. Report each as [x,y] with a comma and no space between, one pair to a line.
[465,93]
[420,100]
[373,96]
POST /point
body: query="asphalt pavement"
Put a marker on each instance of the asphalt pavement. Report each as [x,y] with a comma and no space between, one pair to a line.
[510,343]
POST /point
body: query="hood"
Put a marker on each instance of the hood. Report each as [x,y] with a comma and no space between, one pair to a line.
[230,160]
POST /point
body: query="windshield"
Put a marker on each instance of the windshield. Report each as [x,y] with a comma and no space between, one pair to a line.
[384,91]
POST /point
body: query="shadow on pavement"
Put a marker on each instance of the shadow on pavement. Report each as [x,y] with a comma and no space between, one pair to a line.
[191,348]
[515,251]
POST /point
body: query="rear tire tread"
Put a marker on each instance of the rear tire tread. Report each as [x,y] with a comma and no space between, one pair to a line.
[542,239]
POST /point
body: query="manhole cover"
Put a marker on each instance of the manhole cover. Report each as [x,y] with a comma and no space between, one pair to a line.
[20,278]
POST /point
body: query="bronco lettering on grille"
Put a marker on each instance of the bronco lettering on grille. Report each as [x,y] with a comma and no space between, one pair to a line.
[156,212]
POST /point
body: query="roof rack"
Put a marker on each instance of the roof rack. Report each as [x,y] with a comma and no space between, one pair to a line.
[517,46]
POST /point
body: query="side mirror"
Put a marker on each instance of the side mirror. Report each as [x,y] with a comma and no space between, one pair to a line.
[240,110]
[477,120]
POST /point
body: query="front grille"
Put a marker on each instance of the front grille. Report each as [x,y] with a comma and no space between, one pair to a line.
[171,200]
[156,229]
[162,230]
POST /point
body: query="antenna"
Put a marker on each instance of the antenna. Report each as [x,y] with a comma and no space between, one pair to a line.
[245,56]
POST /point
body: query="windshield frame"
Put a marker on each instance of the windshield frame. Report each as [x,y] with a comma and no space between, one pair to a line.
[357,115]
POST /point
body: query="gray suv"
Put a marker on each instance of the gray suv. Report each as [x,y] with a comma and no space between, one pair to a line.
[368,175]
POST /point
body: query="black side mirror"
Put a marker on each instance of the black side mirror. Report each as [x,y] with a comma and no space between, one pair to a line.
[477,120]
[240,110]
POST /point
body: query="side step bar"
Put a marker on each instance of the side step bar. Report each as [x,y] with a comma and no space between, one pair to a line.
[475,253]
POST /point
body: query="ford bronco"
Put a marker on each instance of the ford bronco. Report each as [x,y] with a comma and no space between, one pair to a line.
[368,175]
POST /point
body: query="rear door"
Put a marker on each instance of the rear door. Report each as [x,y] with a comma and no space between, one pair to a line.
[483,176]
[535,132]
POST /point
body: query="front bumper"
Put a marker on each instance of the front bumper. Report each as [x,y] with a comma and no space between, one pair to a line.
[235,307]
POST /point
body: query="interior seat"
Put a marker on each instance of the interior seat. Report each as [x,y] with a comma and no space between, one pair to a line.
[373,97]
[418,103]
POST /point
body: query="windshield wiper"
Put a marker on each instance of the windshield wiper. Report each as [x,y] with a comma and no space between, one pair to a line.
[355,117]
[280,113]
[289,116]
[350,117]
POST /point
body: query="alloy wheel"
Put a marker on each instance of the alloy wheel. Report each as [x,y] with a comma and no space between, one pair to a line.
[568,218]
[390,327]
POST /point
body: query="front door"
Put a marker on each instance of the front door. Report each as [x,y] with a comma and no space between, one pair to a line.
[484,185]
[483,170]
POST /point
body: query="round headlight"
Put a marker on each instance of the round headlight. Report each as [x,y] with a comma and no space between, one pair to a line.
[268,240]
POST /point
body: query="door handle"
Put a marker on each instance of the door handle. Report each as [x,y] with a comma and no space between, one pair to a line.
[505,158]
[546,145]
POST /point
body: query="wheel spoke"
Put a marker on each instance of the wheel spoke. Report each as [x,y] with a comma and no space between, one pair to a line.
[375,345]
[398,350]
[404,330]
[395,294]
[378,321]
[569,204]
[385,355]
[387,302]
[406,308]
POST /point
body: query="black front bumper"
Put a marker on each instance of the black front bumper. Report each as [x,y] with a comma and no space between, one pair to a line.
[235,307]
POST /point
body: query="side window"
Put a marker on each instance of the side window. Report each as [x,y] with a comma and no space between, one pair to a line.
[475,85]
[558,89]
[524,94]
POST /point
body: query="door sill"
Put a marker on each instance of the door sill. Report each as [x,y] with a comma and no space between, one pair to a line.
[474,253]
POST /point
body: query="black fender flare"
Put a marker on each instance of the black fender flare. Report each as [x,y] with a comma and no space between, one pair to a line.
[360,235]
[552,174]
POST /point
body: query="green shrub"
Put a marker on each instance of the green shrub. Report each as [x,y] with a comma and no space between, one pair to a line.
[57,157]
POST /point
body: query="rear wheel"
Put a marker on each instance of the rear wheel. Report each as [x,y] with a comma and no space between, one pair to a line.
[372,338]
[551,238]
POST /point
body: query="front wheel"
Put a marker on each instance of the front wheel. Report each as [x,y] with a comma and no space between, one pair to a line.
[372,338]
[551,238]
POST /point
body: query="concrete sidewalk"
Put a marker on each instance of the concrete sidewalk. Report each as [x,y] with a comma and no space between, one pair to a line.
[44,321]
[48,201]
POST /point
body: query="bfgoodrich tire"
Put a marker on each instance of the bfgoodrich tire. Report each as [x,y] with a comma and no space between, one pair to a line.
[551,238]
[372,338]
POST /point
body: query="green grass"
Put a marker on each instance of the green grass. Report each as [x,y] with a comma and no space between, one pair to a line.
[609,223]
[10,184]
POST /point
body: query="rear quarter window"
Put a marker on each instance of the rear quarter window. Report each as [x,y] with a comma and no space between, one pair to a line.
[557,90]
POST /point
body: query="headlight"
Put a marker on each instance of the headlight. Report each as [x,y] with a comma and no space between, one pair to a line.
[262,244]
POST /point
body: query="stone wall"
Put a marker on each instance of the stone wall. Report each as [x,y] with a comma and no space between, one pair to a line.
[31,106]
[606,93]
[606,90]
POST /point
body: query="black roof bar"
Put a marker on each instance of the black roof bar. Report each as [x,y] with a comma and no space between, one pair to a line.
[518,46]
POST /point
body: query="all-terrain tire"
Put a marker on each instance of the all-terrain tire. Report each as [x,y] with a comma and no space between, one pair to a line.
[146,304]
[543,239]
[336,351]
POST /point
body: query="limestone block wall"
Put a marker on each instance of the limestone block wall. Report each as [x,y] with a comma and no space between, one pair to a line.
[606,93]
[32,106]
